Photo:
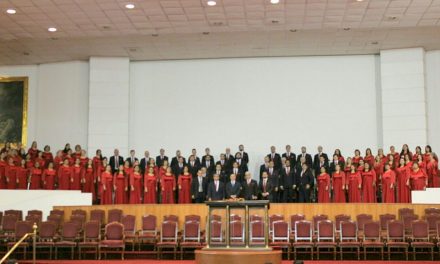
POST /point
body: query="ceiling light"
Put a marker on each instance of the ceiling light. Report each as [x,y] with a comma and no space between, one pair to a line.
[11,11]
[274,2]
[211,3]
[129,6]
[359,0]
[52,29]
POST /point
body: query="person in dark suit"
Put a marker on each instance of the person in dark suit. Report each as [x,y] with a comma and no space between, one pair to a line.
[207,153]
[233,188]
[199,188]
[308,157]
[241,163]
[144,161]
[274,179]
[304,183]
[289,155]
[287,183]
[223,163]
[336,161]
[320,165]
[265,188]
[161,158]
[221,172]
[238,171]
[208,164]
[275,157]
[193,165]
[196,158]
[244,154]
[317,160]
[132,159]
[178,167]
[264,166]
[175,159]
[229,159]
[116,160]
[249,188]
[216,189]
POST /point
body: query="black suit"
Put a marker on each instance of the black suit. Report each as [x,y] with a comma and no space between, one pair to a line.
[332,167]
[263,168]
[199,197]
[276,160]
[229,161]
[209,167]
[115,164]
[242,164]
[178,169]
[316,162]
[144,163]
[193,169]
[240,174]
[249,190]
[224,177]
[131,162]
[290,157]
[245,157]
[233,190]
[269,189]
[319,166]
[160,160]
[175,160]
[225,165]
[274,179]
[308,157]
[302,180]
[287,180]
[216,195]
[204,159]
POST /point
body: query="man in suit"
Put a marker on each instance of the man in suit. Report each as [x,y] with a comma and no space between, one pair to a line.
[304,183]
[208,164]
[221,172]
[239,172]
[335,162]
[207,153]
[178,167]
[233,188]
[273,177]
[116,160]
[321,163]
[132,159]
[241,163]
[317,160]
[216,189]
[223,163]
[161,158]
[289,155]
[229,158]
[308,157]
[175,159]
[275,157]
[144,161]
[193,165]
[264,166]
[196,158]
[244,154]
[199,188]
[287,183]
[265,187]
[249,187]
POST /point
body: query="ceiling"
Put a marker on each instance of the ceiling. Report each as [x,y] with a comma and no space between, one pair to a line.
[188,29]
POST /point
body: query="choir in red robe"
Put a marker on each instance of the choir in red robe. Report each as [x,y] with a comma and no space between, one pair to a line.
[64,176]
[402,178]
[323,182]
[184,183]
[339,185]
[107,186]
[388,184]
[11,175]
[88,179]
[368,185]
[432,172]
[49,177]
[136,186]
[22,176]
[75,177]
[168,185]
[418,179]
[120,182]
[3,164]
[150,186]
[35,177]
[354,182]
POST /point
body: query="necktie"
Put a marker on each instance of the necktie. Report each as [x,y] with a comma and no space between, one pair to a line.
[216,186]
[264,185]
[207,164]
[200,185]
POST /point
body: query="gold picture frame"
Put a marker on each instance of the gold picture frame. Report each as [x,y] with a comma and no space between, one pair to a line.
[20,82]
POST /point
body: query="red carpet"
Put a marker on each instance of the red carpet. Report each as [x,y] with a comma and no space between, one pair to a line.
[193,262]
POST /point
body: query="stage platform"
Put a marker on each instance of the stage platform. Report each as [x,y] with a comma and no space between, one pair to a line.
[194,262]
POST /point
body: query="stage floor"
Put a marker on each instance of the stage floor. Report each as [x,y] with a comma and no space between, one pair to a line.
[193,262]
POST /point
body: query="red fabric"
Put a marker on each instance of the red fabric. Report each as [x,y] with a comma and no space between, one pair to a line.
[355,160]
[339,187]
[418,180]
[121,185]
[150,189]
[33,152]
[369,186]
[107,187]
[432,171]
[378,169]
[388,183]
[168,184]
[41,161]
[11,176]
[48,179]
[75,178]
[64,174]
[403,191]
[88,179]
[370,160]
[323,181]
[48,157]
[2,174]
[184,183]
[22,177]
[35,178]
[136,188]
[354,182]
[57,163]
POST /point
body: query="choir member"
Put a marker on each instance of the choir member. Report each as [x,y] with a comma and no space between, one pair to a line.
[306,156]
[132,159]
[417,152]
[88,179]
[432,171]
[338,184]
[75,178]
[405,151]
[29,161]
[336,161]
[361,166]
[11,174]
[408,161]
[221,172]
[287,183]
[184,182]
[99,170]
[144,162]
[339,154]
[274,179]
[391,161]
[323,188]
[40,159]
[163,169]
[199,188]
[49,177]
[152,164]
[209,165]
[243,154]
[321,164]
[421,162]
[233,188]
[378,167]
[83,158]
[304,183]
[222,162]
[289,155]
[33,150]
[250,187]
[35,174]
[207,154]
[107,185]
[354,185]
[238,171]
[22,176]
[275,158]
[116,160]
[66,148]
[196,158]
[70,158]
[150,186]
[229,159]
[264,166]
[265,187]
[216,189]
[317,160]
[241,163]
[388,183]
[161,158]
[417,178]
[402,177]
[382,156]
[58,161]
[368,184]
[47,155]
[357,157]
[3,165]
[16,157]
[428,151]
[168,185]
[395,155]
[135,185]
[77,152]
[120,185]
[176,159]
[64,174]
[193,165]
[178,167]
[369,158]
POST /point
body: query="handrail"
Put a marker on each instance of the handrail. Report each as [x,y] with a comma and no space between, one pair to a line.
[34,235]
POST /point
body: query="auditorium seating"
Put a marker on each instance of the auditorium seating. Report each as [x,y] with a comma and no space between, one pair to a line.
[91,238]
[46,236]
[114,239]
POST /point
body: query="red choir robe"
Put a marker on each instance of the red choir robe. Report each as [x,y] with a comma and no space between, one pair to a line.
[48,157]
[155,170]
[403,191]
[48,179]
[418,180]
[396,158]
[168,185]
[150,188]
[370,160]
[88,180]
[22,177]
[432,172]
[76,155]
[97,165]
[17,160]
[355,160]
[426,157]
[162,172]
[70,159]
[29,164]
[339,187]
[33,152]
[184,183]
[323,182]
[83,161]
[341,159]
[369,186]
[347,172]
[11,176]
[354,182]
[136,191]
[128,171]
[41,161]
[120,182]
[99,170]
[57,163]
[415,157]
[35,178]
[360,169]
[2,174]
[107,187]
[388,183]
[64,175]
[75,178]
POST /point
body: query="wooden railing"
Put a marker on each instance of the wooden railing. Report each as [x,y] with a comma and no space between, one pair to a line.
[34,242]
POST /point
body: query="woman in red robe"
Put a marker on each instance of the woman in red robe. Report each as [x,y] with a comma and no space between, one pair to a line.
[382,156]
[427,155]
[338,185]
[408,161]
[354,183]
[69,157]
[432,171]
[22,176]
[41,160]
[83,158]
[347,169]
[58,161]
[369,158]
[417,153]
[323,181]
[64,176]
[422,163]
[163,169]
[49,177]
[402,177]
[357,157]
[417,178]
[120,184]
[184,182]
[168,185]
[11,174]
[361,166]
[135,185]
[391,161]
[388,183]
[97,165]
[88,179]
[405,151]
[29,161]
[33,150]
[75,178]
[106,185]
[100,169]
[378,169]
[150,186]
[368,184]
[35,177]
[47,156]
[3,164]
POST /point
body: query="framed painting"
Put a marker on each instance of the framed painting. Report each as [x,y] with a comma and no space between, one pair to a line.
[13,110]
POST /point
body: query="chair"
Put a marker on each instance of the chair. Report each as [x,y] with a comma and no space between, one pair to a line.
[34,219]
[114,215]
[216,232]
[256,232]
[129,223]
[273,218]
[91,238]
[253,218]
[8,226]
[56,219]
[338,219]
[281,236]
[383,220]
[236,229]
[420,237]
[216,217]
[432,220]
[97,215]
[69,237]
[113,239]
[57,212]
[407,222]
[173,218]
[361,219]
[405,211]
[38,213]
[21,229]
[234,217]
[432,210]
[79,212]
[316,220]
[168,238]
[293,219]
[303,237]
[17,213]
[79,220]
[148,233]
[195,218]
[191,237]
[326,237]
[372,238]
[396,237]
[46,236]
[348,237]
[1,219]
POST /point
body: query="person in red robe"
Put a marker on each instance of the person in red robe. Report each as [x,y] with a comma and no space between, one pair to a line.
[184,184]
[106,185]
[136,185]
[49,177]
[35,176]
[383,158]
[418,179]
[58,161]
[75,178]
[168,185]
[354,185]
[361,166]
[369,158]
[88,179]
[41,160]
[47,156]
[69,157]
[402,177]
[368,184]
[29,161]
[395,155]
[120,185]
[338,185]
[357,157]
[163,169]
[388,184]
[347,169]
[427,154]
[3,165]
[16,157]
[405,151]
[417,152]
[64,175]
[408,161]
[378,169]
[339,154]
[432,172]
[422,163]
[77,153]
[11,174]
[323,181]
[98,166]
[83,158]
[150,186]
[33,150]
[22,176]
[391,161]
